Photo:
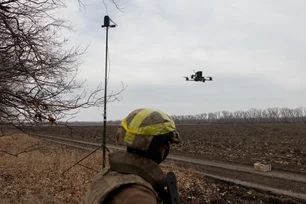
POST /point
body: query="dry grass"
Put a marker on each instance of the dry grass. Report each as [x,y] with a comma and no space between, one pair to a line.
[193,188]
[36,176]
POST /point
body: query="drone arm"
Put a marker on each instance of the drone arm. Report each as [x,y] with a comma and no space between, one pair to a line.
[208,78]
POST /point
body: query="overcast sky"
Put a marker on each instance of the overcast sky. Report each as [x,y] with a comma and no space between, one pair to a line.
[253,49]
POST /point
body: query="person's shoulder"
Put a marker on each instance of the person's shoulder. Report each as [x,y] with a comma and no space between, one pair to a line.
[130,194]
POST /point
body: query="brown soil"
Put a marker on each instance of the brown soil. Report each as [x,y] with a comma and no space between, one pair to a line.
[35,176]
[282,144]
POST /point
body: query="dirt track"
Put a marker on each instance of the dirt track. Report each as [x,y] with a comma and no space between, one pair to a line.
[36,177]
[227,190]
[279,182]
[282,144]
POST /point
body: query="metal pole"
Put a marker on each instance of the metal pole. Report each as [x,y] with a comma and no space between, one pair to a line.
[105,94]
[107,25]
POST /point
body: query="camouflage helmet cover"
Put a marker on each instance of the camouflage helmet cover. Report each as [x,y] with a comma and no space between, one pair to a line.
[141,125]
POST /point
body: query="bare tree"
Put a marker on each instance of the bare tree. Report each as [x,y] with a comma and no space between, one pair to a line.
[298,114]
[303,114]
[37,74]
[265,116]
[212,117]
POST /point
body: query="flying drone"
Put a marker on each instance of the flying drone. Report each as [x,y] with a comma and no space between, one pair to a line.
[198,76]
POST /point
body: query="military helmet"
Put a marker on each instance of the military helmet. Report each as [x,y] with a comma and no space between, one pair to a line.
[139,128]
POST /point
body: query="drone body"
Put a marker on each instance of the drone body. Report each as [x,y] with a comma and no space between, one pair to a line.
[198,76]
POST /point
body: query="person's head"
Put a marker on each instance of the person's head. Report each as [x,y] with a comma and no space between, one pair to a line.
[149,133]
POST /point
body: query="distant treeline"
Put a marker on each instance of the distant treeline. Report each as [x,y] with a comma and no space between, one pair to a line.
[253,115]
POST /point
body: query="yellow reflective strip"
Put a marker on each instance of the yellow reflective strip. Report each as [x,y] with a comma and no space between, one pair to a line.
[166,117]
[157,129]
[162,128]
[139,117]
[129,138]
[127,129]
[123,124]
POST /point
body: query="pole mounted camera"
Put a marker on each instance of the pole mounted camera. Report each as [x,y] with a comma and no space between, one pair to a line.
[106,25]
[107,21]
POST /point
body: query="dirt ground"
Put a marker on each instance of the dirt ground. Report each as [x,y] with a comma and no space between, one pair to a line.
[284,145]
[31,171]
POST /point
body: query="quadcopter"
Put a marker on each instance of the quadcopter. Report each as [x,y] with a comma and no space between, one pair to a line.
[198,76]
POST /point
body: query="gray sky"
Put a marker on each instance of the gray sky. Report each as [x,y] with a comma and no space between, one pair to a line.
[254,50]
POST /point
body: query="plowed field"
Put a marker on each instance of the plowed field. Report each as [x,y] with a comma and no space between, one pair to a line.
[284,145]
[37,176]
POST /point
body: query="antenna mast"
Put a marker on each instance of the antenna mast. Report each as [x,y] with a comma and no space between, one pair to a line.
[106,25]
